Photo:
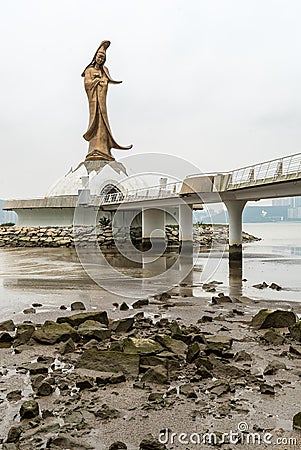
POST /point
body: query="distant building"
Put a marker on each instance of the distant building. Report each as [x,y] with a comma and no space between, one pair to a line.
[7,216]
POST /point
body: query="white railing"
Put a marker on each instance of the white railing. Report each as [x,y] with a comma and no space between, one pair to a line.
[275,170]
[152,192]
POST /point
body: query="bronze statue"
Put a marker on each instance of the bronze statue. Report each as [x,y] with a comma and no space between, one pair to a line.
[99,135]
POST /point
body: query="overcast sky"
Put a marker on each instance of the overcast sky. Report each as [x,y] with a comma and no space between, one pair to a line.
[214,81]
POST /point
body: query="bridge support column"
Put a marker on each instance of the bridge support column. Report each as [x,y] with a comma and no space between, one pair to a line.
[235,209]
[153,227]
[186,227]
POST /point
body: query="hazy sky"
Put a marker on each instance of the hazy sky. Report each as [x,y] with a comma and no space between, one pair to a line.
[213,81]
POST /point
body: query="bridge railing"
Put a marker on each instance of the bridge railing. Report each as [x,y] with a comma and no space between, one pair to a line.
[279,169]
[154,192]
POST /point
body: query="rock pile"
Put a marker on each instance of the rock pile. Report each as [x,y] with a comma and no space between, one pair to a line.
[15,236]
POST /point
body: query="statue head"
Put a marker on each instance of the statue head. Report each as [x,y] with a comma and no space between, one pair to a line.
[99,56]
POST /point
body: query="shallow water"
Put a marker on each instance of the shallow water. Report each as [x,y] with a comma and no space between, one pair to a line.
[49,276]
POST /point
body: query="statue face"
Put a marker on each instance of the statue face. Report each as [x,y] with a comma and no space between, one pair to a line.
[100,57]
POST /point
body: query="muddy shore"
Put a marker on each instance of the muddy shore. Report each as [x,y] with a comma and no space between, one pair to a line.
[184,364]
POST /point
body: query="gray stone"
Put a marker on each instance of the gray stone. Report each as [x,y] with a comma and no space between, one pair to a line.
[29,410]
[77,306]
[141,346]
[156,375]
[140,303]
[124,307]
[122,325]
[173,345]
[107,413]
[51,333]
[272,337]
[242,356]
[14,396]
[84,383]
[91,329]
[273,367]
[273,319]
[5,339]
[118,446]
[297,421]
[7,325]
[23,334]
[67,347]
[45,389]
[267,389]
[29,311]
[76,319]
[188,391]
[150,443]
[109,361]
[110,378]
[14,434]
[295,331]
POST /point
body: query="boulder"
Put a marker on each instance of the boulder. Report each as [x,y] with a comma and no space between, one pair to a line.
[29,410]
[242,356]
[109,361]
[107,413]
[118,446]
[91,329]
[150,443]
[122,325]
[14,434]
[67,347]
[193,351]
[273,319]
[273,367]
[29,311]
[218,344]
[51,333]
[76,319]
[110,378]
[188,391]
[7,325]
[140,303]
[24,333]
[142,346]
[124,306]
[295,331]
[267,389]
[297,421]
[84,383]
[156,375]
[173,345]
[77,306]
[5,339]
[272,337]
[44,389]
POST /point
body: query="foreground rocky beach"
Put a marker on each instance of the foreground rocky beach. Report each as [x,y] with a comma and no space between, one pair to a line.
[165,372]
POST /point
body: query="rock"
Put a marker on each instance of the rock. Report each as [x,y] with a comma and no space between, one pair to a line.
[14,434]
[37,368]
[91,329]
[63,307]
[77,306]
[219,387]
[173,345]
[118,446]
[23,334]
[275,286]
[29,410]
[261,285]
[272,337]
[7,325]
[205,319]
[242,356]
[218,344]
[221,299]
[110,378]
[273,367]
[188,391]
[14,396]
[297,421]
[51,333]
[155,397]
[150,443]
[84,383]
[295,331]
[156,375]
[193,351]
[45,389]
[76,319]
[267,389]
[107,413]
[37,305]
[5,339]
[64,441]
[295,349]
[11,446]
[140,303]
[122,325]
[67,347]
[29,311]
[124,307]
[142,346]
[109,361]
[162,297]
[273,319]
